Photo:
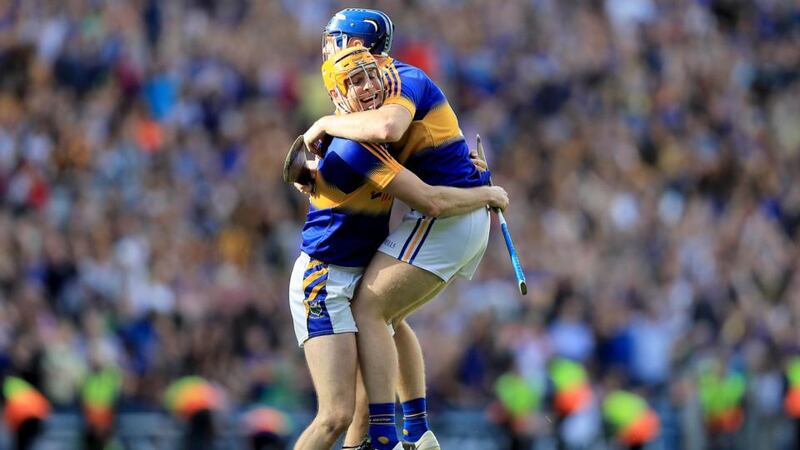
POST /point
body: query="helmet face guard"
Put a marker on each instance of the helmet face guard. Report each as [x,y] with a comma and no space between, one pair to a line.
[372,27]
[339,74]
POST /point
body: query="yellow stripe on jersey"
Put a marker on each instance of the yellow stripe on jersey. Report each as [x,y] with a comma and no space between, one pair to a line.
[388,85]
[383,155]
[442,124]
[363,200]
[398,88]
[388,79]
[393,88]
[439,127]
[381,176]
[378,152]
[402,101]
[393,76]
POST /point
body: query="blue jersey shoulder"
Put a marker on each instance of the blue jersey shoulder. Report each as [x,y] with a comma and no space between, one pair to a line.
[349,164]
[338,167]
[418,87]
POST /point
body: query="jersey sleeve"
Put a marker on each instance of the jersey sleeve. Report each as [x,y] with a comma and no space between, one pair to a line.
[353,163]
[408,91]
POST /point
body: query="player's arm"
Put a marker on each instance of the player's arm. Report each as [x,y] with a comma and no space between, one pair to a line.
[351,164]
[443,201]
[385,124]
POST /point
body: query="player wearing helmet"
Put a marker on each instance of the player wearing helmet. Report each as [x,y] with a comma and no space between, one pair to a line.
[426,253]
[347,221]
[374,30]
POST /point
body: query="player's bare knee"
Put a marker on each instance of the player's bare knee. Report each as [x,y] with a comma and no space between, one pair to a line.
[364,309]
[335,420]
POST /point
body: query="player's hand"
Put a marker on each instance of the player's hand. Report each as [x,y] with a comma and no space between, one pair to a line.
[479,163]
[313,138]
[498,197]
[310,188]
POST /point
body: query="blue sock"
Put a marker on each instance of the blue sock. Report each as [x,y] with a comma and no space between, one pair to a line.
[415,419]
[382,432]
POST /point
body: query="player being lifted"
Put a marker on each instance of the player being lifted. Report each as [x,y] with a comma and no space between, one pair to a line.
[347,221]
[424,253]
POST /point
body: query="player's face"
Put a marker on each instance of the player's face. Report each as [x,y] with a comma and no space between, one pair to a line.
[364,90]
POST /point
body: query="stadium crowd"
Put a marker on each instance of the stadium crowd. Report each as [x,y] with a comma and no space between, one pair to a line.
[650,149]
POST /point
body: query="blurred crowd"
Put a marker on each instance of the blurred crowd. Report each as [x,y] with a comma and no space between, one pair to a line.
[650,149]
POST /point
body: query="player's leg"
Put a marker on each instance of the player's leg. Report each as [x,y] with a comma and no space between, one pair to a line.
[387,288]
[411,388]
[438,249]
[358,428]
[411,267]
[411,374]
[411,391]
[415,305]
[319,298]
[332,362]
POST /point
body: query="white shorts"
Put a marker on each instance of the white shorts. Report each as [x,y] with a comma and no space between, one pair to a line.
[443,246]
[319,297]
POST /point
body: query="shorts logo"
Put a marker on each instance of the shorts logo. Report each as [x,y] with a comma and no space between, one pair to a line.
[314,309]
[390,244]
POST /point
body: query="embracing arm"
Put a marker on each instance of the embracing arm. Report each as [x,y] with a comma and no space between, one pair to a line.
[385,124]
[443,201]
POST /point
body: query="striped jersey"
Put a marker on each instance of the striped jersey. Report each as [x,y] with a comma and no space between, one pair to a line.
[349,215]
[433,146]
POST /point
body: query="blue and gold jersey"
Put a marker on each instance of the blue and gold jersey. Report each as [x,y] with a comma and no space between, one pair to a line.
[349,215]
[433,146]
